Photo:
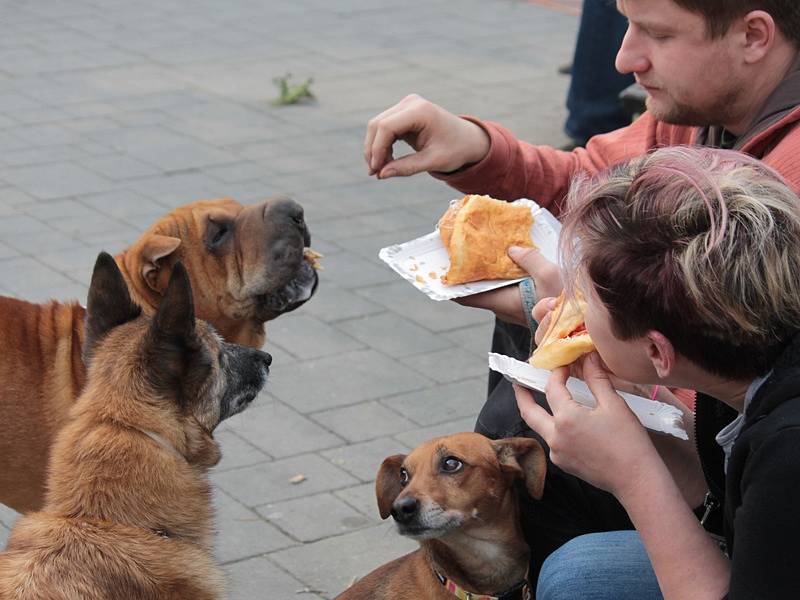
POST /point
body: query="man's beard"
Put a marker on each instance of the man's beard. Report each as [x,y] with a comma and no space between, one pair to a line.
[677,113]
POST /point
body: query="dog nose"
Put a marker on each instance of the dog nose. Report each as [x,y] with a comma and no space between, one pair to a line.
[404,509]
[284,209]
[265,357]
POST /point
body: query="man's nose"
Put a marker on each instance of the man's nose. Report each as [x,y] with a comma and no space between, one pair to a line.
[631,57]
[404,509]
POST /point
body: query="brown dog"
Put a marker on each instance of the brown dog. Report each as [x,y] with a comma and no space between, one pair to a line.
[456,496]
[247,266]
[128,507]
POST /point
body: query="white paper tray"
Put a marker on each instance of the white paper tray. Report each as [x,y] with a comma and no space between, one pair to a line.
[654,415]
[424,260]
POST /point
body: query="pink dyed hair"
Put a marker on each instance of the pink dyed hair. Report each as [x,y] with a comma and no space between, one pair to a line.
[702,245]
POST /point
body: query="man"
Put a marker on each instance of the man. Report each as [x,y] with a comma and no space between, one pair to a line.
[721,73]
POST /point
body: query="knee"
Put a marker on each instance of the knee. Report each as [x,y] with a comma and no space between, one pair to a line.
[562,571]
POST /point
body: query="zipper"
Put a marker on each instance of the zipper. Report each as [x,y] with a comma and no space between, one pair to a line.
[710,503]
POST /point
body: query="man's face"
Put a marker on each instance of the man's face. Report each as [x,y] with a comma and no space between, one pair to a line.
[691,78]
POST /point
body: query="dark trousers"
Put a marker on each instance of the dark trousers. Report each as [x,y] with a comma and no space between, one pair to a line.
[593,99]
[569,506]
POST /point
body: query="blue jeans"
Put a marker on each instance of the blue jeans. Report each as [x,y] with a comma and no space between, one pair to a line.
[593,100]
[599,566]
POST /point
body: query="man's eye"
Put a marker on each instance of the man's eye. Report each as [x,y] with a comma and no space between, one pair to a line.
[452,465]
[404,476]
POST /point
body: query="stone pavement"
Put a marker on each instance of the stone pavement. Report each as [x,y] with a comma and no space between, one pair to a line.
[112,112]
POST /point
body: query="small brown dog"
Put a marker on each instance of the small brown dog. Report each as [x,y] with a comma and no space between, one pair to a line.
[247,266]
[456,496]
[128,507]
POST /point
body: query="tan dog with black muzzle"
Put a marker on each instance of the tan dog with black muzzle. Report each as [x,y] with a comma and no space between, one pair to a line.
[247,265]
[456,496]
[128,513]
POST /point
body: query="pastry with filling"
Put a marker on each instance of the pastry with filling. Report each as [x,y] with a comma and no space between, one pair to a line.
[477,231]
[566,339]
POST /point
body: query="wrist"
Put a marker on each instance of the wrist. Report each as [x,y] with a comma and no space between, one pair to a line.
[478,144]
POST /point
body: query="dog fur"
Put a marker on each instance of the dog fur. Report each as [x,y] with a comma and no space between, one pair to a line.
[128,508]
[246,265]
[466,520]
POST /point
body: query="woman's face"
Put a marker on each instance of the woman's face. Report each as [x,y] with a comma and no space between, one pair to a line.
[627,359]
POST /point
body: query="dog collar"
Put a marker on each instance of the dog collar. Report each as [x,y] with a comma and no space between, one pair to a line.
[520,591]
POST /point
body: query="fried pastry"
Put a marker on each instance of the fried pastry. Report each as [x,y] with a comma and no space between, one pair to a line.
[477,231]
[566,339]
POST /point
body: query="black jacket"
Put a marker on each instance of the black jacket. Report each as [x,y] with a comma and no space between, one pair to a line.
[761,497]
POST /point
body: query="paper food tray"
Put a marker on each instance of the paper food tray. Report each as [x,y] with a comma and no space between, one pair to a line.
[424,260]
[654,415]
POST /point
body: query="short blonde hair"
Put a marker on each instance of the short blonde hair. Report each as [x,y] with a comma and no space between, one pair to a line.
[700,244]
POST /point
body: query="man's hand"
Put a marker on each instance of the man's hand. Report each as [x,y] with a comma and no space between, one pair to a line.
[505,302]
[442,140]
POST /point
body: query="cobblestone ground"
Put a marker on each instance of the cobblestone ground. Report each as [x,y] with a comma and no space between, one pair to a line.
[112,112]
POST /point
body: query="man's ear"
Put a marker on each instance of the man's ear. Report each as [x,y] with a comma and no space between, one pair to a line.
[174,319]
[760,32]
[109,303]
[523,458]
[661,353]
[387,484]
[152,252]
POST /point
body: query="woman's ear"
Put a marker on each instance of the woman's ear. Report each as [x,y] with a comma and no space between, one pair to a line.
[661,353]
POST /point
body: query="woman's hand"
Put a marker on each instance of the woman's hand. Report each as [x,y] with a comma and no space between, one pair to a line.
[605,446]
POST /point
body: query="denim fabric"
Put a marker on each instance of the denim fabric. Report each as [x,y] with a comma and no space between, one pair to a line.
[593,100]
[599,566]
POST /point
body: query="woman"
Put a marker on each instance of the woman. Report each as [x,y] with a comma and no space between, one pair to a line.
[689,259]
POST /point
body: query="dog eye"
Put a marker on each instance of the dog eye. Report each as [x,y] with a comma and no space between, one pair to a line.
[404,476]
[452,465]
[217,233]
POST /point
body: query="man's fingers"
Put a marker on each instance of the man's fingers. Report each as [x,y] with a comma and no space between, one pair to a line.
[374,125]
[534,415]
[545,274]
[410,164]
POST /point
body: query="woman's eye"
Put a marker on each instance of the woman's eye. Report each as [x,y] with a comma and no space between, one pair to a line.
[451,465]
[404,476]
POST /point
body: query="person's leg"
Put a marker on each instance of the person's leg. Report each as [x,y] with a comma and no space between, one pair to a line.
[593,99]
[599,566]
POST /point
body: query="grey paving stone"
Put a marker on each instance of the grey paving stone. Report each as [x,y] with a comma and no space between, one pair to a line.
[123,204]
[55,180]
[259,578]
[4,533]
[332,564]
[240,171]
[393,334]
[8,516]
[453,364]
[351,271]
[415,437]
[269,482]
[241,533]
[280,431]
[25,274]
[20,224]
[476,339]
[87,226]
[308,337]
[79,257]
[441,403]
[332,303]
[345,379]
[435,316]
[58,209]
[15,197]
[118,167]
[368,246]
[361,497]
[363,421]
[236,451]
[314,517]
[364,459]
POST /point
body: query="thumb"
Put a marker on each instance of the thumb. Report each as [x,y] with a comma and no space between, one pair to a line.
[407,165]
[531,260]
[598,378]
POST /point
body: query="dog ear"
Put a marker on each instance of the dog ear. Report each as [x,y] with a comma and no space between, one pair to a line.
[387,484]
[523,458]
[108,305]
[152,250]
[175,315]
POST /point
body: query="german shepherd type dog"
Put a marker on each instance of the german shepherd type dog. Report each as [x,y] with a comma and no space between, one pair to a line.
[128,513]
